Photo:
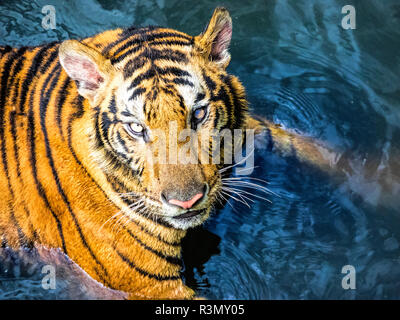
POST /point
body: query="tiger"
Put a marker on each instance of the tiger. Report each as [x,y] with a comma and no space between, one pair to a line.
[77,120]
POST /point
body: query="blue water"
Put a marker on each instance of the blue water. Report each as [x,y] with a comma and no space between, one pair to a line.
[304,71]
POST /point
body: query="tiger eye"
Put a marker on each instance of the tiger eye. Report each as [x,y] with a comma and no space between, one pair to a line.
[136,128]
[199,114]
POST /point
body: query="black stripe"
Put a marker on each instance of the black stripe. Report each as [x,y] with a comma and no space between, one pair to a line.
[4,50]
[39,186]
[137,92]
[5,74]
[21,235]
[115,60]
[32,160]
[173,55]
[31,73]
[102,144]
[53,55]
[132,65]
[62,96]
[43,110]
[154,71]
[239,103]
[117,185]
[216,120]
[150,73]
[171,43]
[170,259]
[18,65]
[209,82]
[152,95]
[142,228]
[183,82]
[15,96]
[22,238]
[126,113]
[16,156]
[112,106]
[14,138]
[150,39]
[132,30]
[98,137]
[270,145]
[181,102]
[126,34]
[225,98]
[105,125]
[122,142]
[154,54]
[172,70]
[168,91]
[199,97]
[145,273]
[3,92]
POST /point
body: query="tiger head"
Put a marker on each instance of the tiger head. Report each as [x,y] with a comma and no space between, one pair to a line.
[152,80]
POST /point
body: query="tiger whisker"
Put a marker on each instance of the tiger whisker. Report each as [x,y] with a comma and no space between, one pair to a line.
[251,194]
[127,194]
[121,212]
[236,191]
[115,215]
[244,169]
[218,199]
[118,224]
[250,186]
[240,195]
[139,212]
[246,178]
[234,165]
[227,200]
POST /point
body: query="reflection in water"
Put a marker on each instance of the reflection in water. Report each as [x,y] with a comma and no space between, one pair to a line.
[197,248]
[303,71]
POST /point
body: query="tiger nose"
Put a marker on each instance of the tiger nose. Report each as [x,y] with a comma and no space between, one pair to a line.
[186,204]
[172,199]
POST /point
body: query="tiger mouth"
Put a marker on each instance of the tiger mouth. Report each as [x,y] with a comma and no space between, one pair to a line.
[190,214]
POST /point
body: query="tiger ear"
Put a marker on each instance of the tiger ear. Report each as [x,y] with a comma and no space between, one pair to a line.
[214,41]
[88,67]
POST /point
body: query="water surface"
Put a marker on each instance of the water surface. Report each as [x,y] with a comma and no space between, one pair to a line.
[304,71]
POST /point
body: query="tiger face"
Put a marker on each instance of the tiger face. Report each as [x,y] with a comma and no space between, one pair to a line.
[145,89]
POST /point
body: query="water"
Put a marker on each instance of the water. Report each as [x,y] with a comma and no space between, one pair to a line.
[302,70]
